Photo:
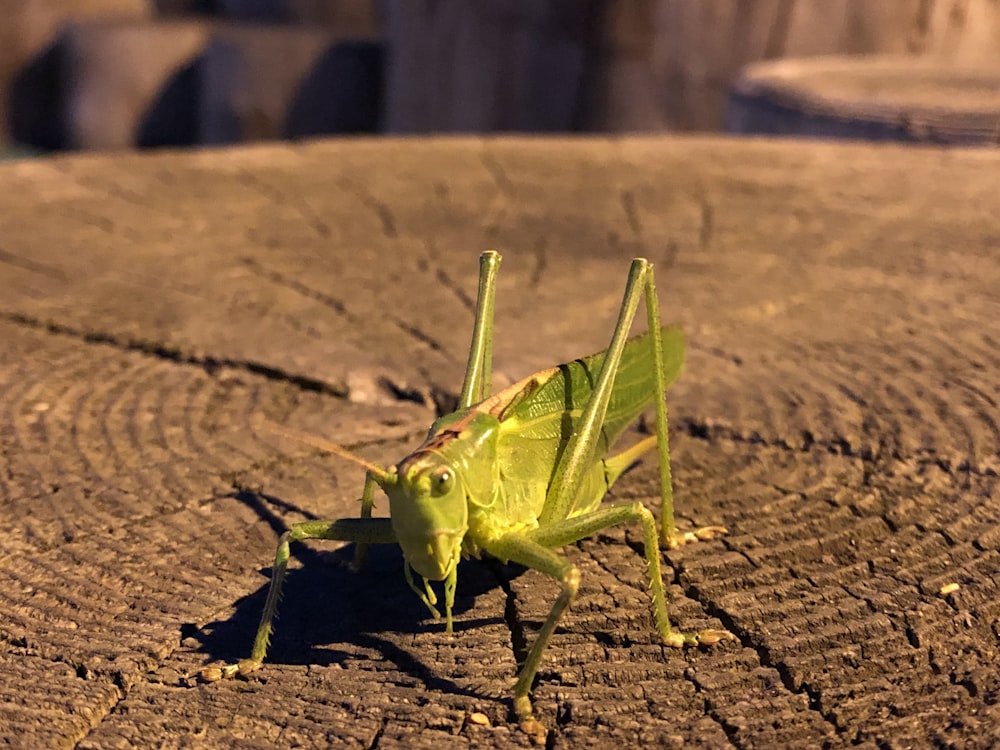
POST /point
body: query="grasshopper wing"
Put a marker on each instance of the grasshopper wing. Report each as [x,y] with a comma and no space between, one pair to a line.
[539,414]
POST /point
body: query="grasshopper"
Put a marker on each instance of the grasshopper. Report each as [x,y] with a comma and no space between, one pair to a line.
[518,473]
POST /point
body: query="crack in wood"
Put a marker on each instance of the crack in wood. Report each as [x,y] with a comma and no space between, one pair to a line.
[377,738]
[541,263]
[295,200]
[412,331]
[452,286]
[706,229]
[209,364]
[276,277]
[627,200]
[710,431]
[497,172]
[34,266]
[382,211]
[418,334]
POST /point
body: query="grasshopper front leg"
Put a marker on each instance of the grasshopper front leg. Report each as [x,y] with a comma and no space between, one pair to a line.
[360,530]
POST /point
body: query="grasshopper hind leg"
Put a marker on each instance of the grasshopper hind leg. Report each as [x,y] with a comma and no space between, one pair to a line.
[557,525]
[615,466]
[669,535]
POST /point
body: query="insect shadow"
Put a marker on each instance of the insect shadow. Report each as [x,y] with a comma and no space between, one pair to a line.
[372,609]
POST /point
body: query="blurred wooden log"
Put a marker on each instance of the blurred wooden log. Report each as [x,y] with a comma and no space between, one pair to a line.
[876,98]
[485,66]
[186,82]
[129,84]
[271,82]
[31,84]
[639,65]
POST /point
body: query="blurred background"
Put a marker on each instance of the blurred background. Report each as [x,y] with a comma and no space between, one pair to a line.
[118,74]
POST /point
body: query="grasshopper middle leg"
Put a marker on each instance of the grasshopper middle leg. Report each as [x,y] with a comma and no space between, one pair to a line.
[533,549]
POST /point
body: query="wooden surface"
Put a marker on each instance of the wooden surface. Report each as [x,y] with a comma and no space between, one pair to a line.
[639,65]
[886,97]
[838,413]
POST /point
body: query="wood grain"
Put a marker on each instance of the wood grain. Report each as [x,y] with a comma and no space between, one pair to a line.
[838,413]
[874,97]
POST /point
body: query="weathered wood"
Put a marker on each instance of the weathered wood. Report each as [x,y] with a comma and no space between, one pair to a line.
[639,65]
[474,67]
[878,97]
[31,64]
[182,82]
[838,413]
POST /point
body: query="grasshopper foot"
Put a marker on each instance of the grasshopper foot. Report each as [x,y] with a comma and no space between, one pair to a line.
[712,636]
[227,671]
[534,729]
[708,637]
[702,534]
[527,721]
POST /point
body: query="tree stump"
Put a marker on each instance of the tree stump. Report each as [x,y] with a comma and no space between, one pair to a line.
[878,98]
[838,413]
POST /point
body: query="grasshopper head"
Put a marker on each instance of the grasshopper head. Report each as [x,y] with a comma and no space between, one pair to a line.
[429,513]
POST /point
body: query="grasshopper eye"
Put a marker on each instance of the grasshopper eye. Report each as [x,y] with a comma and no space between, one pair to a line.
[442,480]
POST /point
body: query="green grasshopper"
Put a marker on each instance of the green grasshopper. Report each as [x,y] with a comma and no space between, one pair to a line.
[518,473]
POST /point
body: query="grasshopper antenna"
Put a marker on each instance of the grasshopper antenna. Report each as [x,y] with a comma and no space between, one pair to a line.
[378,473]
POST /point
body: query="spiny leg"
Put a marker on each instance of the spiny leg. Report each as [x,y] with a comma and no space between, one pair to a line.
[580,527]
[580,453]
[521,549]
[371,476]
[478,375]
[668,528]
[533,549]
[615,466]
[366,530]
[581,448]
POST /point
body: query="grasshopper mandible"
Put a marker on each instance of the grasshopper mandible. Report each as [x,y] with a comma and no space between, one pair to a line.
[518,473]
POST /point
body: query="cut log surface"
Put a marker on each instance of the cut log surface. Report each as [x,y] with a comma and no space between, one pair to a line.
[879,97]
[838,413]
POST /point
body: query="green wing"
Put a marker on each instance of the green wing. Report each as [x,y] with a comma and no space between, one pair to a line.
[540,411]
[538,415]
